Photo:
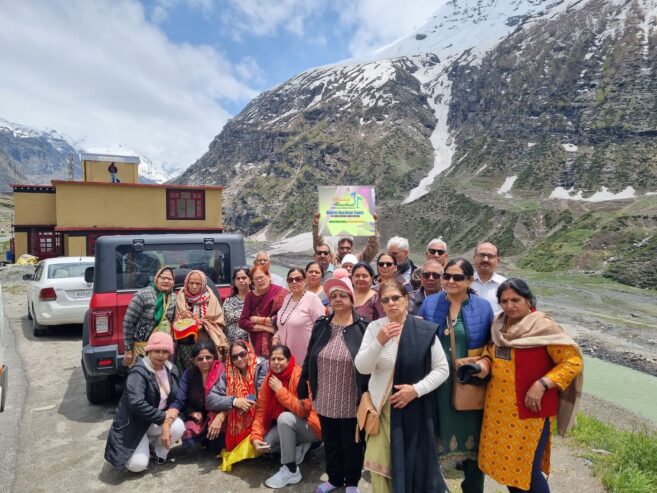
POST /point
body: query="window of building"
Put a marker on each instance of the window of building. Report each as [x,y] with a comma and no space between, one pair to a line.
[185,204]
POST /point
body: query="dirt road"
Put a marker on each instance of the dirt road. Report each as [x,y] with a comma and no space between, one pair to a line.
[53,439]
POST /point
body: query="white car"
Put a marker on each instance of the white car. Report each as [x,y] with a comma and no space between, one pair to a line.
[57,293]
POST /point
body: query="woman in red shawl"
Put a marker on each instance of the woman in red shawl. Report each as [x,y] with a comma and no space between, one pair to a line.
[283,422]
[260,305]
[196,301]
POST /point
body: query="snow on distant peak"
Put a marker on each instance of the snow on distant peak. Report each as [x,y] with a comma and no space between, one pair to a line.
[604,195]
[58,141]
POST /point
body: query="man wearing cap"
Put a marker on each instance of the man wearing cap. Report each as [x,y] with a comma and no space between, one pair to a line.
[346,243]
[431,278]
[263,258]
[486,280]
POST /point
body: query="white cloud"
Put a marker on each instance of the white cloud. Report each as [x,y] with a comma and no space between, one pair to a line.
[379,22]
[248,69]
[99,71]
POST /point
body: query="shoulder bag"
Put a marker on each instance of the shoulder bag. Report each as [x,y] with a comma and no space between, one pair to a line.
[368,418]
[465,396]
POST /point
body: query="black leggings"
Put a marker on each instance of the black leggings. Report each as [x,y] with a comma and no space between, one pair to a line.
[344,457]
[539,484]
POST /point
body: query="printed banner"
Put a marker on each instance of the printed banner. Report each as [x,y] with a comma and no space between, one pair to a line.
[347,211]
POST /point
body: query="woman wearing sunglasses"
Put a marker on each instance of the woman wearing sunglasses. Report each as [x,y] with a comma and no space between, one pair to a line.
[386,266]
[202,422]
[406,363]
[284,421]
[296,318]
[234,304]
[236,390]
[459,309]
[335,385]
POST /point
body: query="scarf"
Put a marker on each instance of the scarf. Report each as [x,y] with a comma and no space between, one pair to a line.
[205,308]
[273,408]
[161,296]
[538,330]
[238,386]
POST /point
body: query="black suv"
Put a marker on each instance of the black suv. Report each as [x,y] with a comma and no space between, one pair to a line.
[125,264]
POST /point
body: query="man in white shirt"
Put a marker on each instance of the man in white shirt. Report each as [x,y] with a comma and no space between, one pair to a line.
[486,280]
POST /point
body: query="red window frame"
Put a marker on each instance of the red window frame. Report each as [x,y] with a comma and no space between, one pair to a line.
[185,204]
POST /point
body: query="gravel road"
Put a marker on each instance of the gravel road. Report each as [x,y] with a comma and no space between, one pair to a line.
[53,439]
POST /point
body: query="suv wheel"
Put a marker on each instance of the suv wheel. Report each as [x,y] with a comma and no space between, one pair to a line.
[37,329]
[100,391]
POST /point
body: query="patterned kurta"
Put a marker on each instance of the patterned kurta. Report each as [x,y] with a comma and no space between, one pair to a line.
[508,443]
[232,310]
[336,382]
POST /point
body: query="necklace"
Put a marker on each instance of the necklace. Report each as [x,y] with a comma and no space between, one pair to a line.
[284,321]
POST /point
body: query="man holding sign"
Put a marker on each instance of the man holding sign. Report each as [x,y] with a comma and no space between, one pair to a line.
[347,211]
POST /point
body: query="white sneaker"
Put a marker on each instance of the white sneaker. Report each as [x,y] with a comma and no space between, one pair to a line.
[283,477]
[301,452]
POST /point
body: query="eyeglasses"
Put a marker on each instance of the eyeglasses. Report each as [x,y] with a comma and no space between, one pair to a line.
[240,355]
[456,277]
[297,279]
[322,253]
[258,279]
[394,298]
[201,359]
[338,294]
[434,251]
[432,275]
[385,264]
[491,256]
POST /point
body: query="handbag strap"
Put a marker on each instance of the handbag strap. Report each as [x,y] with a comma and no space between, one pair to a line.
[388,388]
[452,341]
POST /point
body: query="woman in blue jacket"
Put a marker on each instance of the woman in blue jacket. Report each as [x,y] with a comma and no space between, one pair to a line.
[459,309]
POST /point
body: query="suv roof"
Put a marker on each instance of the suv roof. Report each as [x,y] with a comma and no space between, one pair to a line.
[108,251]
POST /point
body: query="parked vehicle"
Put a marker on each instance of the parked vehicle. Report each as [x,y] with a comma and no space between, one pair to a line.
[125,264]
[3,366]
[57,293]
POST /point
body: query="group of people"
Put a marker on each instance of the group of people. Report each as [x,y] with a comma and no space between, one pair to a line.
[283,368]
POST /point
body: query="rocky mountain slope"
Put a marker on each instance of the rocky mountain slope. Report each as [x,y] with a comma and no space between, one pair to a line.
[508,120]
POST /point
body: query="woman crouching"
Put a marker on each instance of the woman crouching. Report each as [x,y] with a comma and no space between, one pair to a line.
[283,422]
[406,363]
[142,418]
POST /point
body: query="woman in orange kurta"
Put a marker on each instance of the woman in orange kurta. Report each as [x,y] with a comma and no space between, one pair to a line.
[536,374]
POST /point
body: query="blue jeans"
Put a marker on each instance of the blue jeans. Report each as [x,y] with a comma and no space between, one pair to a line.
[114,178]
[539,484]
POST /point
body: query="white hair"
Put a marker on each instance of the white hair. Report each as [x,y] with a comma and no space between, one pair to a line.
[398,241]
[437,240]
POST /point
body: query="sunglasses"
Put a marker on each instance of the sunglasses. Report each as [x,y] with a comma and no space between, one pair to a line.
[385,264]
[239,355]
[456,277]
[201,359]
[432,275]
[394,298]
[434,251]
[322,253]
[241,267]
[297,279]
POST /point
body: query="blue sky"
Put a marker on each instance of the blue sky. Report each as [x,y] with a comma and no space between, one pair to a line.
[160,78]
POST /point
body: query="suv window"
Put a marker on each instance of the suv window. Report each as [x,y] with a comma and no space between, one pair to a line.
[65,271]
[135,270]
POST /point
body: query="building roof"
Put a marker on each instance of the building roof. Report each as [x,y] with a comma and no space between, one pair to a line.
[110,158]
[147,185]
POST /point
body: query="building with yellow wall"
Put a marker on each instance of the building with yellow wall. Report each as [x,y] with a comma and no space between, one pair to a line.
[66,217]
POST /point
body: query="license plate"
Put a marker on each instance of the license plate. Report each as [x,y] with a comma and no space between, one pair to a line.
[83,294]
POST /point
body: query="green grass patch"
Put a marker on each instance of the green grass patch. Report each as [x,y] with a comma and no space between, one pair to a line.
[625,461]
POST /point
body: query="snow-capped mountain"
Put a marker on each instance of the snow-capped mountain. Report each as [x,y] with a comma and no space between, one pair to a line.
[467,126]
[151,172]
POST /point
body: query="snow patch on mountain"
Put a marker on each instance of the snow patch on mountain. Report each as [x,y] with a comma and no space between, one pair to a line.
[604,195]
[507,186]
[58,141]
[158,173]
